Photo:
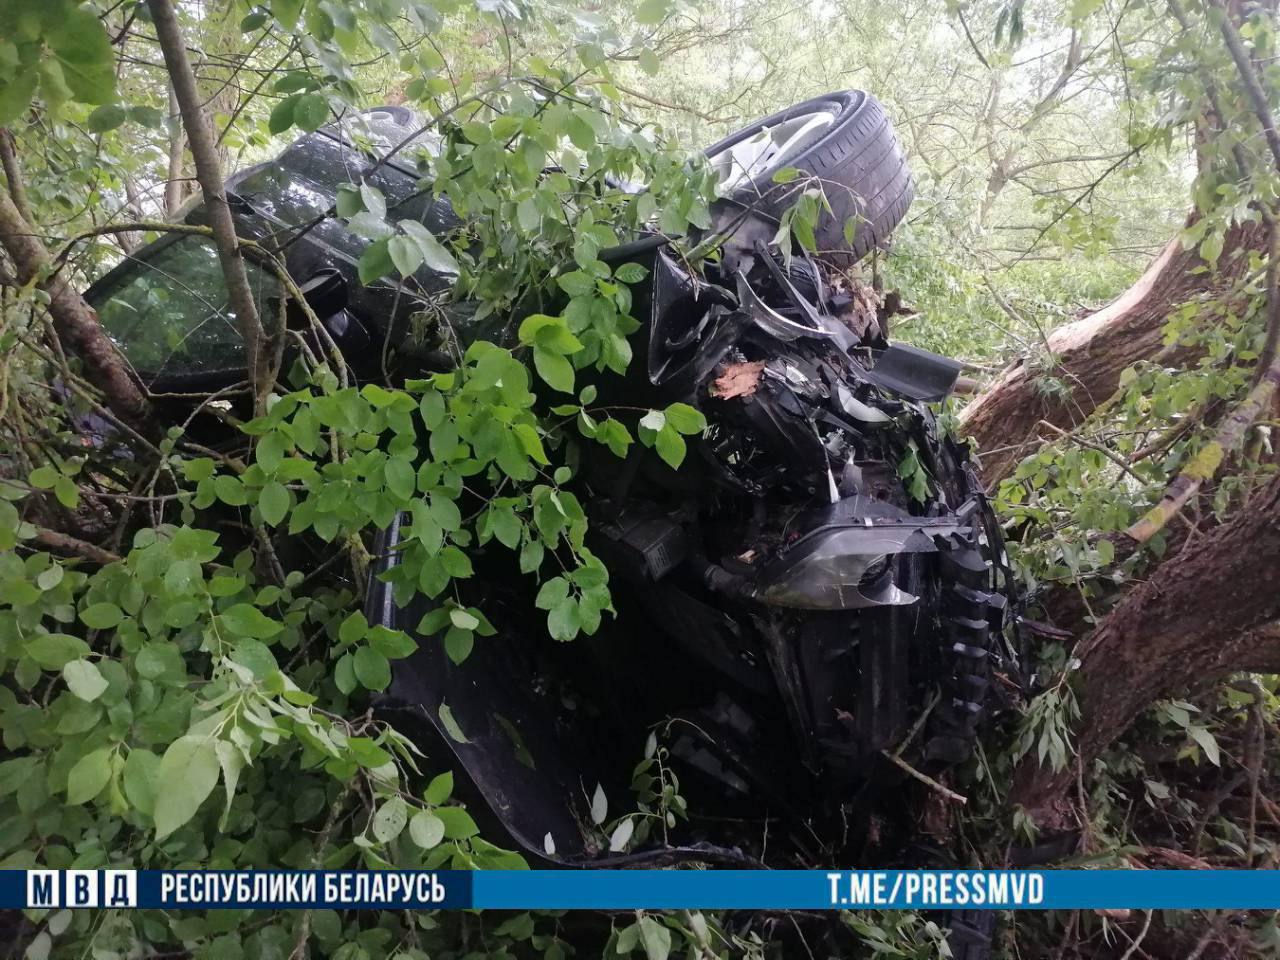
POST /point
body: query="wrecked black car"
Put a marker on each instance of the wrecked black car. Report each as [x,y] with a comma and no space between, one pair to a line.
[813,612]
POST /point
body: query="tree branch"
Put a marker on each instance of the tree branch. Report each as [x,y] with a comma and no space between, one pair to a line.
[74,320]
[61,543]
[13,173]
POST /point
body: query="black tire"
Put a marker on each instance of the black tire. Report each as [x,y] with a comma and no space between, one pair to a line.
[971,933]
[860,163]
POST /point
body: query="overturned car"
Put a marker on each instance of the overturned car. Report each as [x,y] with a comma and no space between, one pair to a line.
[814,608]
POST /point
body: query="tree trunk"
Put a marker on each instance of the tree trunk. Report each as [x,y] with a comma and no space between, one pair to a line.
[1196,617]
[1090,354]
[74,320]
[204,153]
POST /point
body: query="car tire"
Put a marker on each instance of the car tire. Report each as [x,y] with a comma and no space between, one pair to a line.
[858,160]
[970,933]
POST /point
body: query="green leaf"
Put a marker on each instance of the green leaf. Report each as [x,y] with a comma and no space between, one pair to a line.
[462,619]
[1207,743]
[654,937]
[106,117]
[344,674]
[439,789]
[652,11]
[187,774]
[434,253]
[554,369]
[53,651]
[160,660]
[375,263]
[246,620]
[281,118]
[451,725]
[349,202]
[373,200]
[577,284]
[67,492]
[139,779]
[372,669]
[649,62]
[82,51]
[685,418]
[367,753]
[84,679]
[255,655]
[426,829]
[630,273]
[51,577]
[621,835]
[531,555]
[654,420]
[15,96]
[43,478]
[401,478]
[563,620]
[599,805]
[392,644]
[286,12]
[527,215]
[311,111]
[405,254]
[273,502]
[90,774]
[230,490]
[389,822]
[458,644]
[102,616]
[458,824]
[670,446]
[432,408]
[231,761]
[353,628]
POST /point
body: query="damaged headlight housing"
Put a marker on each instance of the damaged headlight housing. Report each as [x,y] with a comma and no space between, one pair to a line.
[842,569]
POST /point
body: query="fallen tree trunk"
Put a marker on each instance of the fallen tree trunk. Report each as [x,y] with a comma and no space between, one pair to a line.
[1195,617]
[1089,355]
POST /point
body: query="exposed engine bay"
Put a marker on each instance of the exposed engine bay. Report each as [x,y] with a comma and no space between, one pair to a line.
[819,586]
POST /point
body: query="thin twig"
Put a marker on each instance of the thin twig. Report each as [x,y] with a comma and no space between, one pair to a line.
[927,780]
[1142,935]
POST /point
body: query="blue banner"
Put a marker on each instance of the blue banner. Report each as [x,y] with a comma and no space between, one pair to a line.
[641,889]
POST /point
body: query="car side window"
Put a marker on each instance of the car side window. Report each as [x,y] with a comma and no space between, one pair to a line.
[170,312]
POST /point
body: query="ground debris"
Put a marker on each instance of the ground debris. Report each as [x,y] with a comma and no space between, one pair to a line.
[738,380]
[862,312]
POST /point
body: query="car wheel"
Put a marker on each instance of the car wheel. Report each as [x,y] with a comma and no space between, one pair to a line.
[844,140]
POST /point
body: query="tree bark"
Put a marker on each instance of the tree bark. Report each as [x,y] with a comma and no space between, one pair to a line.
[173,191]
[1197,616]
[1089,355]
[74,320]
[204,152]
[1257,652]
[13,174]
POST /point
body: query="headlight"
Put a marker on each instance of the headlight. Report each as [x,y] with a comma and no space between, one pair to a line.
[842,569]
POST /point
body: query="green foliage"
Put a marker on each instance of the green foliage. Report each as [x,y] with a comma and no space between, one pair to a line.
[212,657]
[59,51]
